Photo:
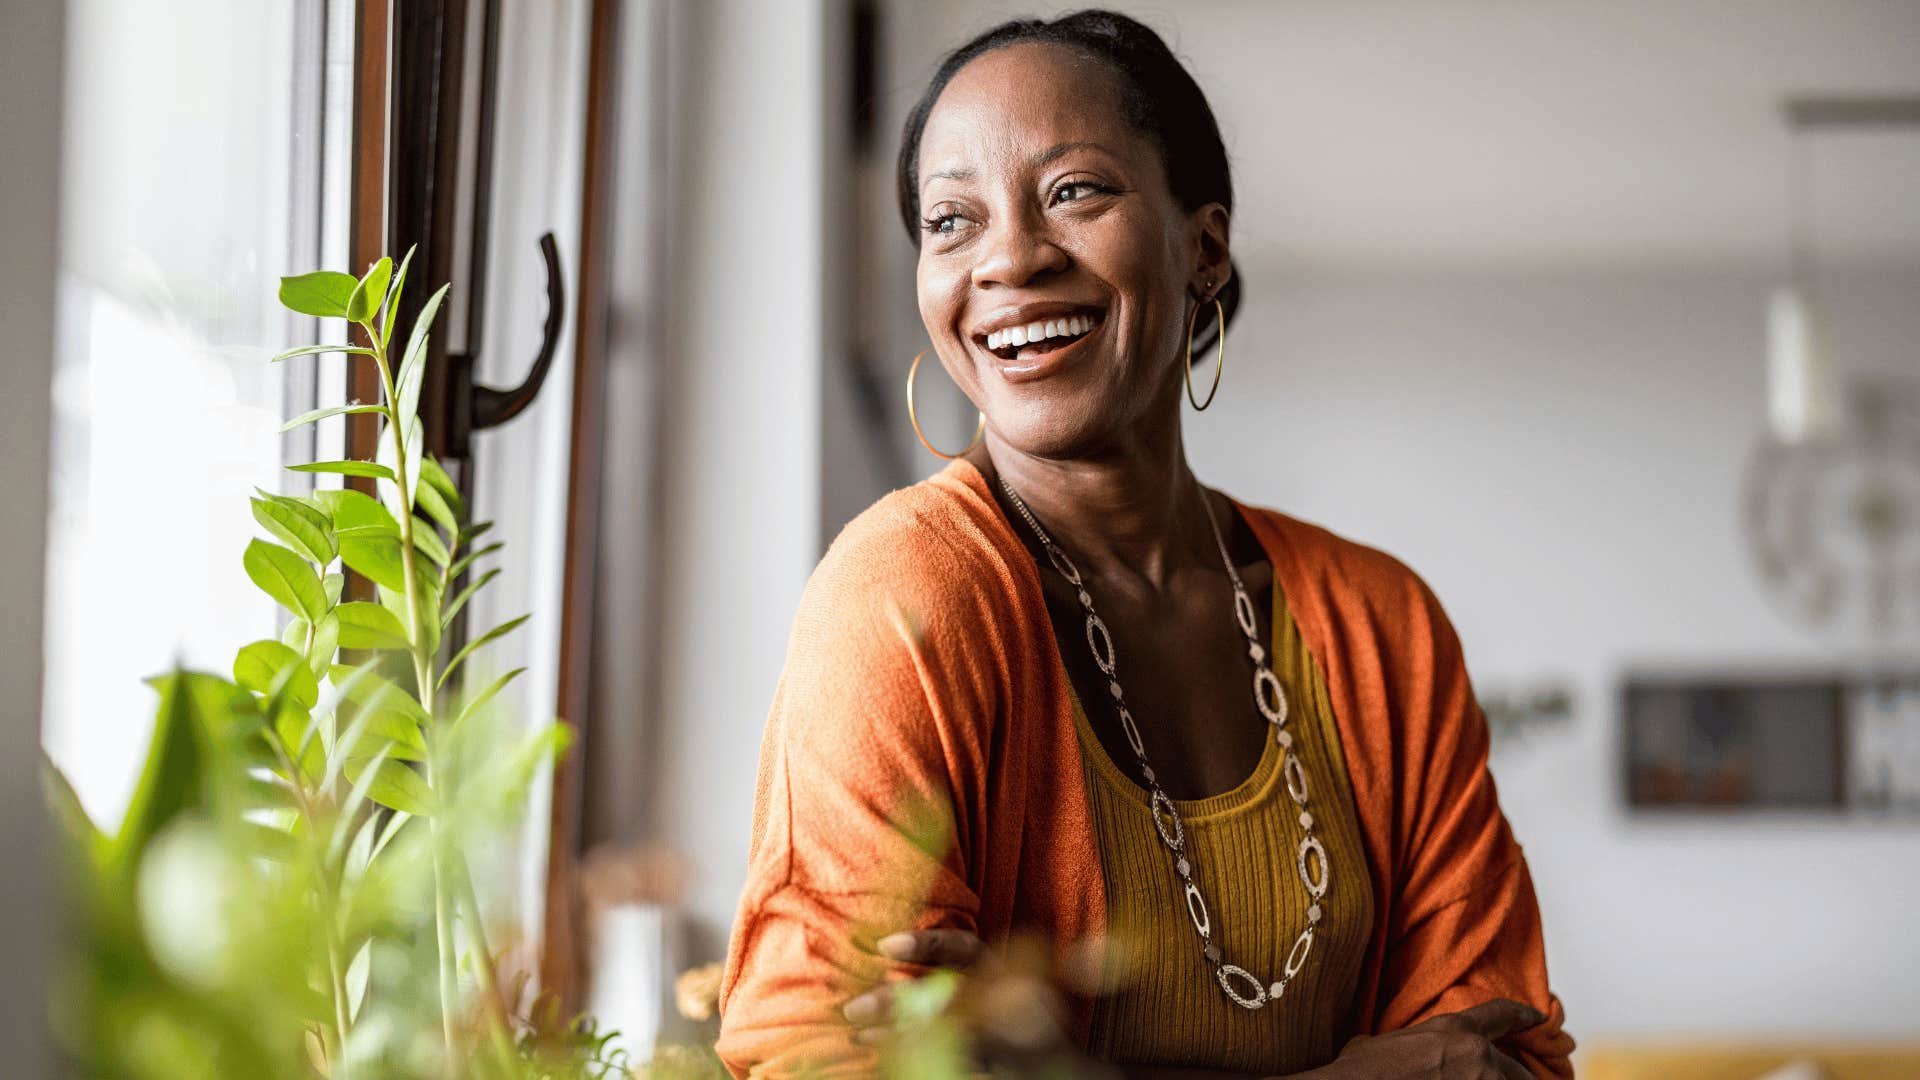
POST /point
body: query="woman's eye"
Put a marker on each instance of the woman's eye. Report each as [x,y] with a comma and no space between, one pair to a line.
[943,224]
[1076,189]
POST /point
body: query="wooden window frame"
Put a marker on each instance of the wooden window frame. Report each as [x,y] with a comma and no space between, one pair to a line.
[406,191]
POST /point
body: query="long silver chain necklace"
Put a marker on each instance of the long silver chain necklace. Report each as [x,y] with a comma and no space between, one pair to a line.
[1242,986]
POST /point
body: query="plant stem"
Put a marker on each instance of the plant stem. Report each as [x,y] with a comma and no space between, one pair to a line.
[423,677]
[337,983]
[489,979]
[443,941]
[329,904]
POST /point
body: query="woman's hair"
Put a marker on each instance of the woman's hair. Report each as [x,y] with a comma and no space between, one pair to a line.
[1158,99]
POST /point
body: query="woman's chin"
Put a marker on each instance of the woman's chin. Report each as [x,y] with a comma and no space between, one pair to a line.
[1050,427]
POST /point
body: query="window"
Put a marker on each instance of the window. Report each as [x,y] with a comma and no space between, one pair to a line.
[202,160]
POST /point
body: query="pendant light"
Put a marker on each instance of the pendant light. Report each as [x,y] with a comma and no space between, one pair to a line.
[1802,387]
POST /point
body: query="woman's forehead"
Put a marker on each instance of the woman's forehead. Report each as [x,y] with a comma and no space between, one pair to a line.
[1004,109]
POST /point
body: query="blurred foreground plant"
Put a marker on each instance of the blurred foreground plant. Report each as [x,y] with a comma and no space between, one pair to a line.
[290,893]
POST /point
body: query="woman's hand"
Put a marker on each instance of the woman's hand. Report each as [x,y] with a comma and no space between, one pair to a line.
[958,950]
[1457,1046]
[1006,1005]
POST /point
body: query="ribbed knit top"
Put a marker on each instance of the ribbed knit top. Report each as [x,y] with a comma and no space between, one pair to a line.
[1161,1003]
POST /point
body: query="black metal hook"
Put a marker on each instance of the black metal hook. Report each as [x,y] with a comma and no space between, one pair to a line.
[492,407]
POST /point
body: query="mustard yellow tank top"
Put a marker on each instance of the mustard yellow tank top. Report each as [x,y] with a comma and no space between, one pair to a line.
[1160,1003]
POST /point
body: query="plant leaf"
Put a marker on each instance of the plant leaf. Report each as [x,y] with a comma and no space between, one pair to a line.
[307,530]
[460,567]
[503,776]
[359,970]
[346,468]
[170,781]
[474,705]
[313,350]
[323,293]
[395,601]
[377,692]
[430,500]
[394,785]
[416,354]
[261,666]
[387,732]
[351,836]
[392,829]
[335,584]
[497,632]
[460,601]
[286,577]
[374,557]
[326,637]
[356,512]
[433,473]
[369,290]
[296,730]
[322,414]
[384,453]
[428,542]
[70,817]
[392,303]
[406,399]
[370,626]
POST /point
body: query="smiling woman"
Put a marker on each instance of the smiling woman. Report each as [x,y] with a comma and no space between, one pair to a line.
[1035,695]
[1135,194]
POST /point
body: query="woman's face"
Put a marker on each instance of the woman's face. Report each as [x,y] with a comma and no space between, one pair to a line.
[1056,269]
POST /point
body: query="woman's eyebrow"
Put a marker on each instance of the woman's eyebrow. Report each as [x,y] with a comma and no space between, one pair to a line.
[1038,161]
[1055,153]
[955,173]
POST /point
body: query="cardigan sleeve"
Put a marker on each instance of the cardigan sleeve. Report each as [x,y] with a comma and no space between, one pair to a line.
[856,835]
[1465,925]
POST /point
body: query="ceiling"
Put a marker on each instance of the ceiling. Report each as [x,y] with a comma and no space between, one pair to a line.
[1534,133]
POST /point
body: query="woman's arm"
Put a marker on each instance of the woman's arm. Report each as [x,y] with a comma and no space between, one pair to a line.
[854,817]
[1177,1073]
[1465,924]
[1452,1046]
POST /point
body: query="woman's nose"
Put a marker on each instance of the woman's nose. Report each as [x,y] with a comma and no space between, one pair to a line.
[1017,249]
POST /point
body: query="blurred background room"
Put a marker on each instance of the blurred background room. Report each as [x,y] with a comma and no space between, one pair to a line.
[1604,317]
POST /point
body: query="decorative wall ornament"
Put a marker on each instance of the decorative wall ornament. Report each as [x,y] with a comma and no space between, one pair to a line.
[1834,524]
[1832,493]
[1516,713]
[1845,741]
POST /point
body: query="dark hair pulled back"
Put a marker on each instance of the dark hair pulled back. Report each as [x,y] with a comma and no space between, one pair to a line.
[1158,99]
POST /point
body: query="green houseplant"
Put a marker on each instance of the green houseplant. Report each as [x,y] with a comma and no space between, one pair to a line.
[291,891]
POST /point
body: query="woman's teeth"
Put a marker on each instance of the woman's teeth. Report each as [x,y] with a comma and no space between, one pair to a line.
[1040,330]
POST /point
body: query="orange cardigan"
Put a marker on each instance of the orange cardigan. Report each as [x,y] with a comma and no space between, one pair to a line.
[919,768]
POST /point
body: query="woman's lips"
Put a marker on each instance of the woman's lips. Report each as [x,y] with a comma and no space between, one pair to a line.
[1029,368]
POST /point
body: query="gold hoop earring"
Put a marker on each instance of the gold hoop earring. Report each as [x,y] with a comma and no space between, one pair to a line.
[1220,320]
[978,430]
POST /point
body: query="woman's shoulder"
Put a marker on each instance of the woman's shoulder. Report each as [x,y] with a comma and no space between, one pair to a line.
[930,551]
[1343,574]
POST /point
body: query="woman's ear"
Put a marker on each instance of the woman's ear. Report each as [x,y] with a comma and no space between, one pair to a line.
[1212,261]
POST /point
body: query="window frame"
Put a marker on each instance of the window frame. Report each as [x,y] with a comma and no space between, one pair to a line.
[426,180]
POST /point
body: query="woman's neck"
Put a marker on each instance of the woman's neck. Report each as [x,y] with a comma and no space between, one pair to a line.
[1137,513]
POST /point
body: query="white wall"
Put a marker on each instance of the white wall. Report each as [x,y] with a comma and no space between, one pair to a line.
[741,485]
[1561,458]
[31,52]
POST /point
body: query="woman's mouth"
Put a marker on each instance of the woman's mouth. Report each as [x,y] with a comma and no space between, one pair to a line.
[1034,340]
